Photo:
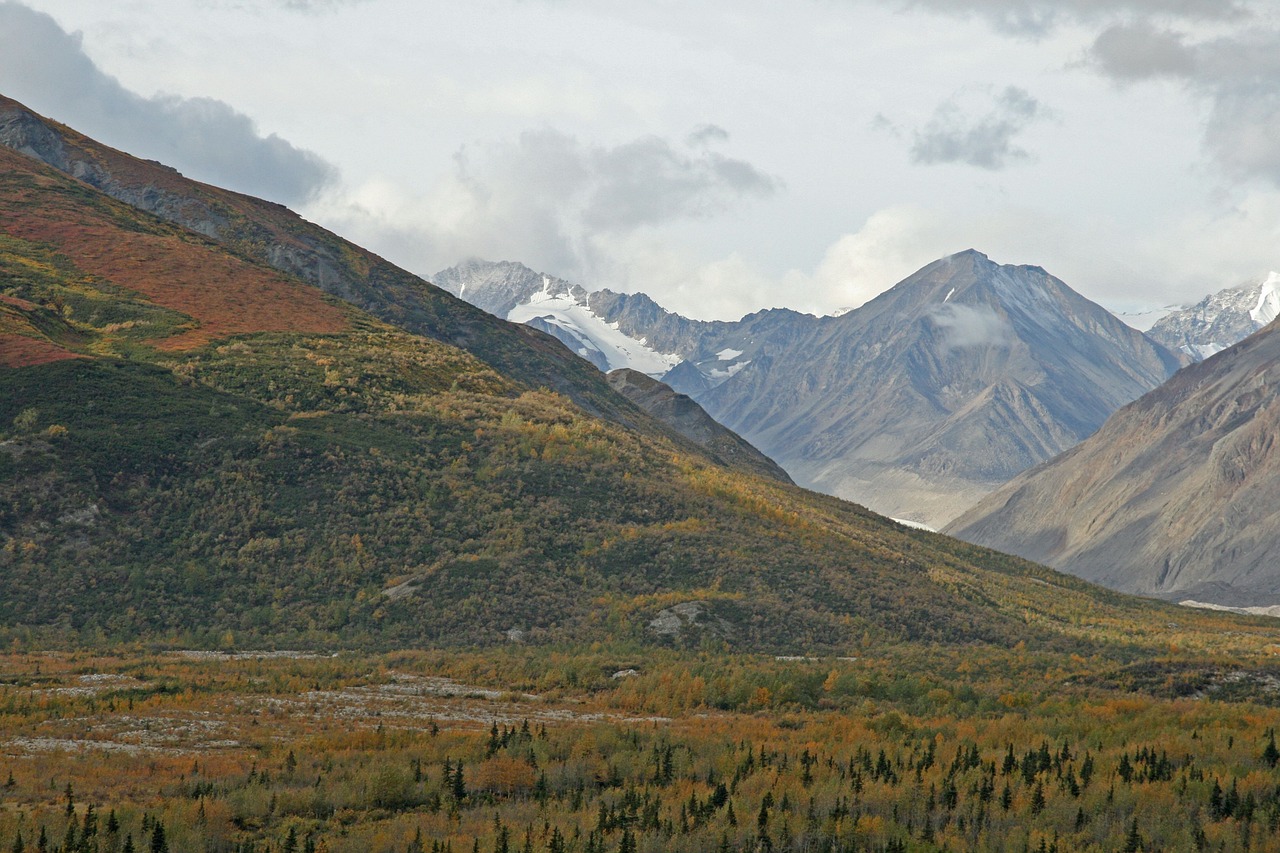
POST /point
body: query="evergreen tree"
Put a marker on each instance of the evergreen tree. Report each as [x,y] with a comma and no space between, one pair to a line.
[458,786]
[18,845]
[158,842]
[1133,843]
[1271,755]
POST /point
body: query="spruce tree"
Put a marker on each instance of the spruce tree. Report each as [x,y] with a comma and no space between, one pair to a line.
[158,842]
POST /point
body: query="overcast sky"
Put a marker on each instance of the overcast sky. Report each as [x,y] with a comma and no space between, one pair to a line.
[722,156]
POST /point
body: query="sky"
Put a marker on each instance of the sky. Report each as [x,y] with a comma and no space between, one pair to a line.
[722,156]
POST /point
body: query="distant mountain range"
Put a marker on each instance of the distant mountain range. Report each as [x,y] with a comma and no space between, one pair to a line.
[1178,495]
[916,404]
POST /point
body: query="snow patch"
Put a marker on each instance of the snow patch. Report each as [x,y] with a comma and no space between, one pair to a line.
[728,354]
[715,374]
[950,293]
[1268,307]
[915,525]
[1144,320]
[592,333]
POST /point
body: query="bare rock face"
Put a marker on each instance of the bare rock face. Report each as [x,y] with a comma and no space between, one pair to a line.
[690,420]
[1177,496]
[687,621]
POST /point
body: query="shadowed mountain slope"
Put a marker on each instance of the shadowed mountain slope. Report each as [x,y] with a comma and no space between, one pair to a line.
[1178,495]
[691,420]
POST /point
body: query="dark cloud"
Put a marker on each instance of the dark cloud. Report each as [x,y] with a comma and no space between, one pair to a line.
[1038,17]
[987,142]
[1140,50]
[648,181]
[48,70]
[1238,75]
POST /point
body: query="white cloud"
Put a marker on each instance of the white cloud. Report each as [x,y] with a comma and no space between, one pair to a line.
[971,326]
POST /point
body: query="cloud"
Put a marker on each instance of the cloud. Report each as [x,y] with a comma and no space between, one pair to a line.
[648,181]
[707,134]
[1238,75]
[986,142]
[1039,17]
[552,201]
[47,69]
[972,326]
[1139,50]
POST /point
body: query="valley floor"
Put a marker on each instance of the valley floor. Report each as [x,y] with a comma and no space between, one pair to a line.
[633,750]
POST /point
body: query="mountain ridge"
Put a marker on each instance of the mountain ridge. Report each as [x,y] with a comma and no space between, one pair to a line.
[1173,496]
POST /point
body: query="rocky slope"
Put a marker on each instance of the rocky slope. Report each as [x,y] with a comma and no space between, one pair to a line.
[1220,319]
[940,389]
[1178,495]
[692,421]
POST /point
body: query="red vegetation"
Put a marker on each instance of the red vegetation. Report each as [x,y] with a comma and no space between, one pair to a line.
[20,351]
[172,268]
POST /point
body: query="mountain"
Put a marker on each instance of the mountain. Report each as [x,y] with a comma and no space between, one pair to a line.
[916,404]
[1220,319]
[926,398]
[516,293]
[693,422]
[617,330]
[1178,495]
[196,442]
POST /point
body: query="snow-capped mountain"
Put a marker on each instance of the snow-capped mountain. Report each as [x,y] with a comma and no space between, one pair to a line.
[1221,319]
[616,330]
[516,293]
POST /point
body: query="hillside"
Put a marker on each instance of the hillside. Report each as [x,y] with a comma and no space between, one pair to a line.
[267,233]
[693,422]
[1175,496]
[174,467]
